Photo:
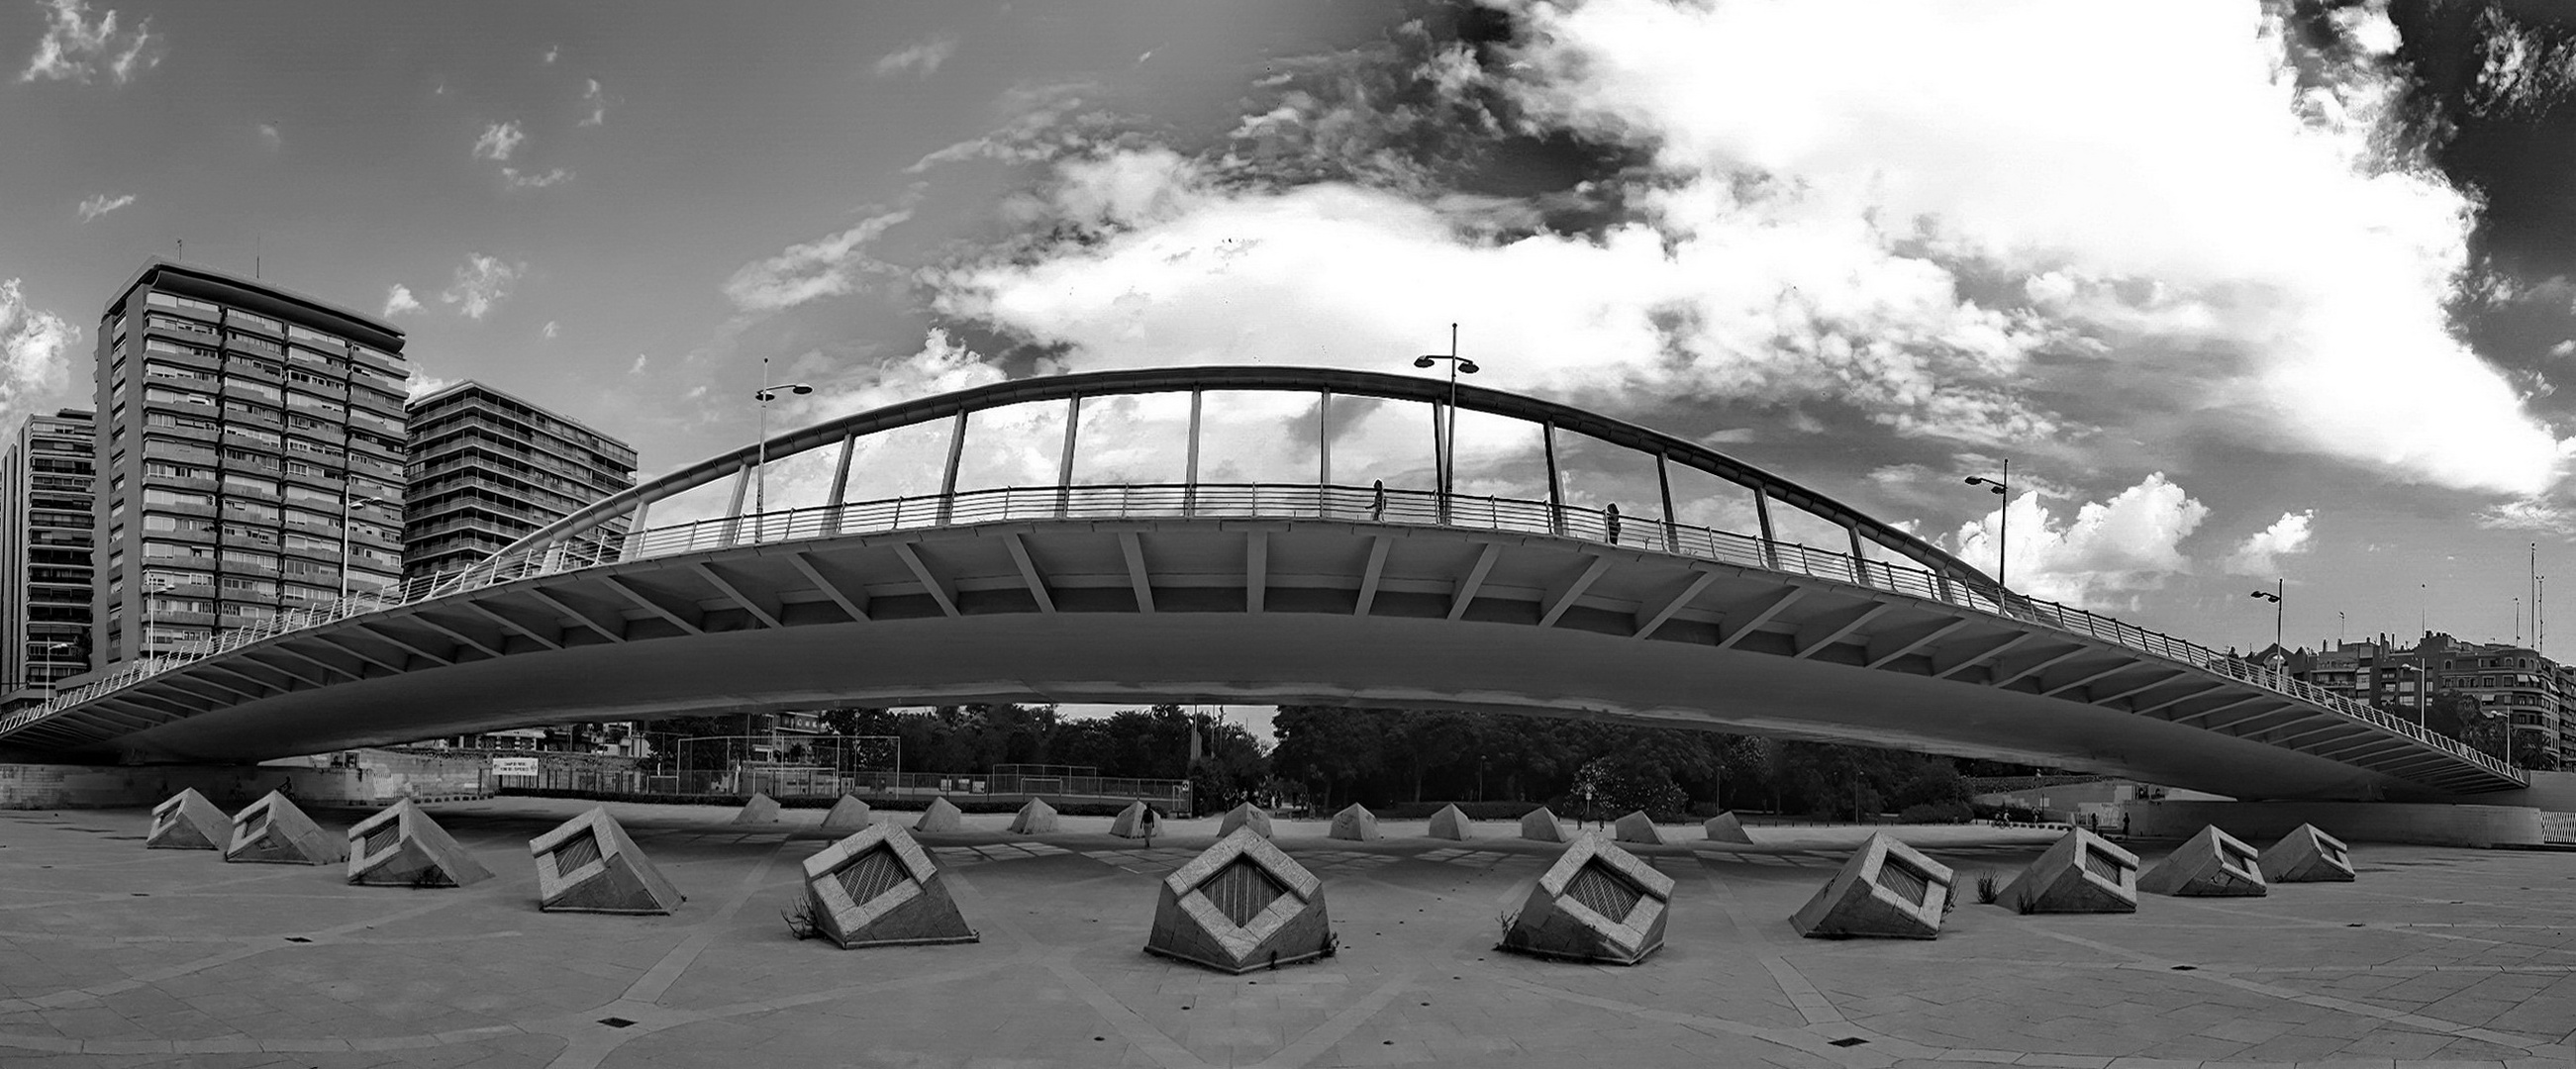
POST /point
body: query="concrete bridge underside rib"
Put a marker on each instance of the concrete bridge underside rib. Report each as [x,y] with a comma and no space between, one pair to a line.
[1240,610]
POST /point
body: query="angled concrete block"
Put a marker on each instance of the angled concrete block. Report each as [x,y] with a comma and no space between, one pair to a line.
[2306,855]
[1637,827]
[761,809]
[272,830]
[1035,818]
[1451,823]
[2211,864]
[880,888]
[940,816]
[848,814]
[588,865]
[1596,903]
[403,847]
[1724,828]
[1240,905]
[1541,826]
[2080,873]
[187,821]
[1355,823]
[1887,890]
[1246,815]
[1137,821]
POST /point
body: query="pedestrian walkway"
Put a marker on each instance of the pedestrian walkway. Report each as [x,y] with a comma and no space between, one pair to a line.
[113,955]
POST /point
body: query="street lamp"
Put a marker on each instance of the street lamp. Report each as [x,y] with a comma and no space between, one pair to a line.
[152,584]
[2274,596]
[347,502]
[760,475]
[2000,486]
[50,662]
[1458,365]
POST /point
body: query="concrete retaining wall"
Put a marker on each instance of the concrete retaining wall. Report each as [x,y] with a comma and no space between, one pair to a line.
[2424,824]
[364,778]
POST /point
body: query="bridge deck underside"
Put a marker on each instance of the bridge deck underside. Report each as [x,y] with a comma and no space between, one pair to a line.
[1254,611]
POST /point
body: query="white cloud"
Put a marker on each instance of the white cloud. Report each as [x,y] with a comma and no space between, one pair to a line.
[637,368]
[499,140]
[823,268]
[550,329]
[1767,304]
[2260,553]
[398,301]
[35,354]
[2176,157]
[75,48]
[481,283]
[2103,557]
[424,384]
[2218,251]
[918,59]
[553,52]
[552,176]
[598,102]
[2529,514]
[270,137]
[98,204]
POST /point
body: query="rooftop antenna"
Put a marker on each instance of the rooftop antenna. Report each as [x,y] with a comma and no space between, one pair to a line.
[183,250]
[259,251]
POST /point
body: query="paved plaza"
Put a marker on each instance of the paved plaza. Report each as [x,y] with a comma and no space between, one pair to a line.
[112,955]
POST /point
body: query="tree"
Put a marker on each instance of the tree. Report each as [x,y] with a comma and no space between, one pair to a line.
[2460,716]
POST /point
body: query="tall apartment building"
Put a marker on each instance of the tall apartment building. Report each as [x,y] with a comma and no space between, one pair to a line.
[247,436]
[46,533]
[487,468]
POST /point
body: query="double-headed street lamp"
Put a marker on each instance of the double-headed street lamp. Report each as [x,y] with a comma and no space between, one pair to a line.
[2274,596]
[1458,365]
[2001,486]
[765,394]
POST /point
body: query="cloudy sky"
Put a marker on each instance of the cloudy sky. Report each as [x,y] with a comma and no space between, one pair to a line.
[2244,291]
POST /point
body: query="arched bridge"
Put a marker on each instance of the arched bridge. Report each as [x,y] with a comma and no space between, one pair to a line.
[1253,535]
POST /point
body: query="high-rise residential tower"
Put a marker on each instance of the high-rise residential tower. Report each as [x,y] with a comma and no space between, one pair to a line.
[250,445]
[487,468]
[46,532]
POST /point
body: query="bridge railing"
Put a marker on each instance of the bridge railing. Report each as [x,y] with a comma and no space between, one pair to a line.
[1268,501]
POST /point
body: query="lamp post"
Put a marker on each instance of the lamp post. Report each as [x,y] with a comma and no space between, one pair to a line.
[760,474]
[2274,596]
[2000,486]
[347,502]
[1458,365]
[152,584]
[49,662]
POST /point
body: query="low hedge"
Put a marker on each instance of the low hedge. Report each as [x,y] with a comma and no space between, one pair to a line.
[801,801]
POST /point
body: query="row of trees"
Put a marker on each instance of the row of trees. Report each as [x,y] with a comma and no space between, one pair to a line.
[1329,757]
[2487,730]
[1335,756]
[970,739]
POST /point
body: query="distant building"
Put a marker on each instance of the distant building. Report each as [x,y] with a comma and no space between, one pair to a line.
[250,445]
[2536,694]
[47,479]
[488,468]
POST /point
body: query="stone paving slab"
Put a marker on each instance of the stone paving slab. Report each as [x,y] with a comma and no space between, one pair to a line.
[112,956]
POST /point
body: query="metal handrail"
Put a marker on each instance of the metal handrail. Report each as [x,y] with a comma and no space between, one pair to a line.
[1265,501]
